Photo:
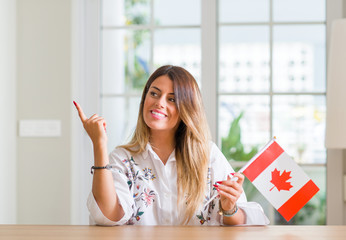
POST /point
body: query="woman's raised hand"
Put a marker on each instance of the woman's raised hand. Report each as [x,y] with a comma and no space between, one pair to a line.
[103,185]
[230,190]
[95,126]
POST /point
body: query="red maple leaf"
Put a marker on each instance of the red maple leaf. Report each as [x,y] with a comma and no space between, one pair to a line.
[280,181]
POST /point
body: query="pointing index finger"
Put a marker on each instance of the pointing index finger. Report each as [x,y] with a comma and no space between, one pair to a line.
[81,114]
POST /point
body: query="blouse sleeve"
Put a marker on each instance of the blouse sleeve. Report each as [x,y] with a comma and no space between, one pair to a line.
[220,169]
[121,183]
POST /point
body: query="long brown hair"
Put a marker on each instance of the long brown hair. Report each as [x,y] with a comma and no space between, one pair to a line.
[192,137]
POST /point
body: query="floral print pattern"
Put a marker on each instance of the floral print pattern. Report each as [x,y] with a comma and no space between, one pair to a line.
[148,196]
[202,219]
[138,179]
[148,174]
[205,213]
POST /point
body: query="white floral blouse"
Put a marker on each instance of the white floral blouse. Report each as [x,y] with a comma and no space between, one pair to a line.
[147,191]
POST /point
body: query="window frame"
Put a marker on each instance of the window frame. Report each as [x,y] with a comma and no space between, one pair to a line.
[271,93]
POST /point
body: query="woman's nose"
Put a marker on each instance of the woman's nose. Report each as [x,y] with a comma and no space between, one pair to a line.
[161,103]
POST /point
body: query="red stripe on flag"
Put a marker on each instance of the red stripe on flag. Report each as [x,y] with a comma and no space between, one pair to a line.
[263,161]
[298,200]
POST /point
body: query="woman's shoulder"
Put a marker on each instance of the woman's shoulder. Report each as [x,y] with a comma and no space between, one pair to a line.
[216,156]
[215,152]
[212,145]
[119,150]
[120,153]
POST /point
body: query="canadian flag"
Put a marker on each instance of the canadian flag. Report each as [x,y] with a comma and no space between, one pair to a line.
[279,178]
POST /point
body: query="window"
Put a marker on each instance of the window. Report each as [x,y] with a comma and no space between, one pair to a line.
[137,37]
[270,77]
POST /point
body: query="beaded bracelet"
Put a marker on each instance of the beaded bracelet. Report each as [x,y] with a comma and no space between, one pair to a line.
[103,167]
[228,213]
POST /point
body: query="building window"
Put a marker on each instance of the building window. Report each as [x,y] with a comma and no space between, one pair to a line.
[137,37]
[272,82]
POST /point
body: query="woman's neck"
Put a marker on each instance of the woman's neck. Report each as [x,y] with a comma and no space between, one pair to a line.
[163,144]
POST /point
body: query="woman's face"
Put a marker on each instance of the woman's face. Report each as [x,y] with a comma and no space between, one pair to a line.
[160,111]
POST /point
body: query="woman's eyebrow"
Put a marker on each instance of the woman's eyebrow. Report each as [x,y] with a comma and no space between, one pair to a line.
[158,89]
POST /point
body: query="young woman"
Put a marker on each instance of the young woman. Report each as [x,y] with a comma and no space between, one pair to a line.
[170,170]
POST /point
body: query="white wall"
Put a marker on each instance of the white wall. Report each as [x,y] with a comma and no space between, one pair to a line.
[8,111]
[85,90]
[336,158]
[44,92]
[42,46]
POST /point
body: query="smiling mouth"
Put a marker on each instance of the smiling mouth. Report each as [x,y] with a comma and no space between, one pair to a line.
[157,114]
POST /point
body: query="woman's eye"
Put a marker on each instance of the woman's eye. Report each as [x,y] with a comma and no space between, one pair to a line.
[154,94]
[171,100]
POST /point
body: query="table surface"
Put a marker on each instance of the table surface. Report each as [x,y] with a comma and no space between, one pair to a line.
[73,232]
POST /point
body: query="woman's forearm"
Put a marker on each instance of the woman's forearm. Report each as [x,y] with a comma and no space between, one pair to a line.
[237,219]
[103,185]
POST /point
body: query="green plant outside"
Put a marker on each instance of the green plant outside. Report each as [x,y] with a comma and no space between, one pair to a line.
[136,69]
[232,146]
